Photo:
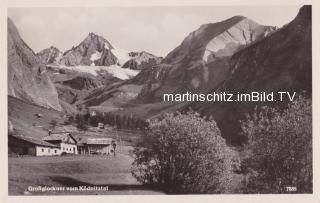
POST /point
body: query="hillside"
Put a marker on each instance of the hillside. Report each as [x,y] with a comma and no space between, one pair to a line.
[280,62]
[23,116]
[27,79]
[201,61]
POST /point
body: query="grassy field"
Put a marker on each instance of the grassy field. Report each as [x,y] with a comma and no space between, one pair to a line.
[74,171]
[69,171]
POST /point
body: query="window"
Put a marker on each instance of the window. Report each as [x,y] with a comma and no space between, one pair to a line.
[55,151]
[42,149]
[49,150]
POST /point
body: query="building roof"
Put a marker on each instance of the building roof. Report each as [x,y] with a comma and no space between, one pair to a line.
[99,141]
[60,136]
[34,141]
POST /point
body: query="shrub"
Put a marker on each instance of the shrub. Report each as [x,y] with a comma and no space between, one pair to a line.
[184,154]
[279,149]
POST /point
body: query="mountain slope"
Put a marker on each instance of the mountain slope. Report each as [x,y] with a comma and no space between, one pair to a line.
[23,117]
[51,55]
[280,62]
[27,79]
[201,61]
[141,60]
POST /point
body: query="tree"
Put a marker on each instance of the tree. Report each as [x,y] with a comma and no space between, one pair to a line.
[53,124]
[81,123]
[118,121]
[94,120]
[279,149]
[184,154]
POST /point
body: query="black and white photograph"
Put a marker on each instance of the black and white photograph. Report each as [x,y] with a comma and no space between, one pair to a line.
[159,100]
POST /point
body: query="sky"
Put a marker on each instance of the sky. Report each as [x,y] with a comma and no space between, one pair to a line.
[157,30]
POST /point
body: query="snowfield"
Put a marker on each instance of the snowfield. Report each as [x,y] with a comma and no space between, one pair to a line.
[95,56]
[121,54]
[121,73]
[115,70]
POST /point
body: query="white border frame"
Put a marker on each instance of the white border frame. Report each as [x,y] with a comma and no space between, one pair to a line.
[292,198]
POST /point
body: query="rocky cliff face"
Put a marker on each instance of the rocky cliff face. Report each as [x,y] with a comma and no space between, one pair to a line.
[280,62]
[201,61]
[51,55]
[93,50]
[27,79]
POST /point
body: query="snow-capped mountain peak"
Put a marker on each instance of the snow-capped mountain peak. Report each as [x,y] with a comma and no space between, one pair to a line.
[95,54]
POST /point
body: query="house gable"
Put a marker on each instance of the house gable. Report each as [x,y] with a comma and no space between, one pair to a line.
[60,137]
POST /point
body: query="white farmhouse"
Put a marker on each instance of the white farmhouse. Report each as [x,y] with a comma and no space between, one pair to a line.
[64,140]
[24,145]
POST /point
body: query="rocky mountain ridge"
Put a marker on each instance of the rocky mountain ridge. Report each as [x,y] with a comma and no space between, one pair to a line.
[200,62]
